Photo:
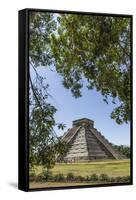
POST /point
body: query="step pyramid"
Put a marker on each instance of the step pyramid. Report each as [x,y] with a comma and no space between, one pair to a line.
[87,143]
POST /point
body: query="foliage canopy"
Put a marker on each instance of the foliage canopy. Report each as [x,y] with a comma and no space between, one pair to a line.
[96,49]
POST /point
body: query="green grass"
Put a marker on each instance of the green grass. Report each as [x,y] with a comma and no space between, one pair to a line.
[55,184]
[112,168]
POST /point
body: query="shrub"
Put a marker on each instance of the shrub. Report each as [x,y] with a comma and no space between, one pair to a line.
[32,173]
[122,179]
[59,177]
[80,178]
[94,177]
[126,179]
[112,179]
[118,179]
[46,175]
[104,177]
[87,178]
[70,177]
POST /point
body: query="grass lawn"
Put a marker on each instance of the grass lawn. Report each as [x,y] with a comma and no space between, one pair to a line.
[112,168]
[55,184]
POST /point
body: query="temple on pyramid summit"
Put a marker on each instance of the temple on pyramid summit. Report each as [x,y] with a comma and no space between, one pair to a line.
[87,143]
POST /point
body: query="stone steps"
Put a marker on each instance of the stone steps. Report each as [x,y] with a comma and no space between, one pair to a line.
[106,144]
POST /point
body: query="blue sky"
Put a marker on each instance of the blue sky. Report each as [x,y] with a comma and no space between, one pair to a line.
[90,105]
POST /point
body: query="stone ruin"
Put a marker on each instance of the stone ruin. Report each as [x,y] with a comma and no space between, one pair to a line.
[87,143]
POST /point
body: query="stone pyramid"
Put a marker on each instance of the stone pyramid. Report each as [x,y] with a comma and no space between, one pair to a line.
[87,143]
